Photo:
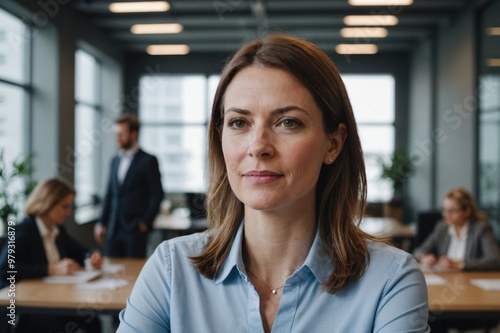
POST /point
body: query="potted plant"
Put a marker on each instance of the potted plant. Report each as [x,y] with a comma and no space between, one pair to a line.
[396,169]
[15,186]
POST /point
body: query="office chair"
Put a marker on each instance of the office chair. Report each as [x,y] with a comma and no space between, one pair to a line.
[426,221]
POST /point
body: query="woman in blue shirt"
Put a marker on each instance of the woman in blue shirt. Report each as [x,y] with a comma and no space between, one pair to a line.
[283,252]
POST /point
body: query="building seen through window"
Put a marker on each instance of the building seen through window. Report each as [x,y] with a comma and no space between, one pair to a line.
[15,52]
[173,111]
[87,116]
[14,86]
[373,102]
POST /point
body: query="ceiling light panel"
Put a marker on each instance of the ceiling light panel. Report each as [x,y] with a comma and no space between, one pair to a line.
[168,49]
[166,28]
[370,20]
[493,31]
[380,2]
[139,7]
[364,32]
[356,49]
[493,62]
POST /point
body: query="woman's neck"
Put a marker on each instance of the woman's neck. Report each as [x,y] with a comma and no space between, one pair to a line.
[46,222]
[276,245]
[459,228]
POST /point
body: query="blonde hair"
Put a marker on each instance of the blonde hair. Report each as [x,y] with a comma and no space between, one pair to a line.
[465,200]
[46,195]
[341,187]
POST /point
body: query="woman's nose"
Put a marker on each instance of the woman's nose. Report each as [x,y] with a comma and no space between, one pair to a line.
[260,143]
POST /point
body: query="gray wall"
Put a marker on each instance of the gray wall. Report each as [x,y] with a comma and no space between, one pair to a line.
[421,145]
[456,106]
[442,113]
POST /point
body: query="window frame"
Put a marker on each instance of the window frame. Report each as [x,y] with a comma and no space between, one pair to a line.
[86,211]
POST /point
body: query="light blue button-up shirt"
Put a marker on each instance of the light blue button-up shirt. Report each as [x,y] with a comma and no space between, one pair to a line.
[171,296]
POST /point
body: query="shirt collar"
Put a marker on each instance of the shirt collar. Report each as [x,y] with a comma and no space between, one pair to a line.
[317,261]
[453,233]
[129,152]
[234,258]
[44,231]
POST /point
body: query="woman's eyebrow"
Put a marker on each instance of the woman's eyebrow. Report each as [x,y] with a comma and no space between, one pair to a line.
[277,111]
[237,110]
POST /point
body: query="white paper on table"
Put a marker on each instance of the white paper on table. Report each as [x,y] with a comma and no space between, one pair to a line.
[434,280]
[487,284]
[103,284]
[112,268]
[76,277]
[437,268]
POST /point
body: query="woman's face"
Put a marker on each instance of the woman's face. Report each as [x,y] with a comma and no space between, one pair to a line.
[273,140]
[61,211]
[453,214]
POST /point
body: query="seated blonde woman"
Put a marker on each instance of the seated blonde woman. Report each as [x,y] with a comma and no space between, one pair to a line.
[43,248]
[463,239]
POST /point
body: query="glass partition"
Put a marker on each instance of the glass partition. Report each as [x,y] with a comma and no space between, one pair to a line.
[489,112]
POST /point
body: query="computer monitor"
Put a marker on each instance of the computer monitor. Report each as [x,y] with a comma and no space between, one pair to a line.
[196,205]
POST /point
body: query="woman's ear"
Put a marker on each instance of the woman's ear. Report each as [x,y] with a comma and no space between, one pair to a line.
[336,143]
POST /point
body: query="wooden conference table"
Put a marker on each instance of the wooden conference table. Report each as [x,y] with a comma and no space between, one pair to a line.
[37,296]
[456,297]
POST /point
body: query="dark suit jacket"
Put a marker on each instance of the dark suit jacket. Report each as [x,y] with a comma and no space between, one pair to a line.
[137,199]
[481,250]
[30,258]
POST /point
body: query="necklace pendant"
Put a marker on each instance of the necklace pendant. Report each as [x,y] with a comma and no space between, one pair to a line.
[274,291]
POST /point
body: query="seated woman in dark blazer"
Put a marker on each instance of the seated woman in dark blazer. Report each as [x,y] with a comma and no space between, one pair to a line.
[463,239]
[43,248]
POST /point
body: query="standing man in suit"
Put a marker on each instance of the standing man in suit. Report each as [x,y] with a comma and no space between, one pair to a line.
[133,195]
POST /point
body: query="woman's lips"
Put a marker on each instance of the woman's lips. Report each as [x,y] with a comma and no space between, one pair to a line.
[262,177]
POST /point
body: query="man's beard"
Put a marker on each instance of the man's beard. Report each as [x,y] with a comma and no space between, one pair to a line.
[126,145]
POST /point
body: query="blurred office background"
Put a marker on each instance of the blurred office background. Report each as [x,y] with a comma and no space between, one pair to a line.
[428,82]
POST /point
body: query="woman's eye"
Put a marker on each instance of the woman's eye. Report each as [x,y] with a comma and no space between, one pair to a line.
[290,123]
[236,123]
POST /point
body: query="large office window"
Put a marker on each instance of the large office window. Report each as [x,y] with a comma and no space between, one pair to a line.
[15,51]
[14,86]
[373,101]
[87,115]
[174,112]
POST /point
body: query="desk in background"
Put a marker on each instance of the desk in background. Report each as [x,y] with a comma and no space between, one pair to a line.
[36,296]
[172,225]
[459,299]
[400,234]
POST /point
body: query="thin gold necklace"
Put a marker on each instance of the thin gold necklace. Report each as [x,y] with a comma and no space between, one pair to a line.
[273,290]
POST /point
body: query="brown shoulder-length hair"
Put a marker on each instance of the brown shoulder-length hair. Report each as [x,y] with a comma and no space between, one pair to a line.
[466,201]
[341,187]
[46,195]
